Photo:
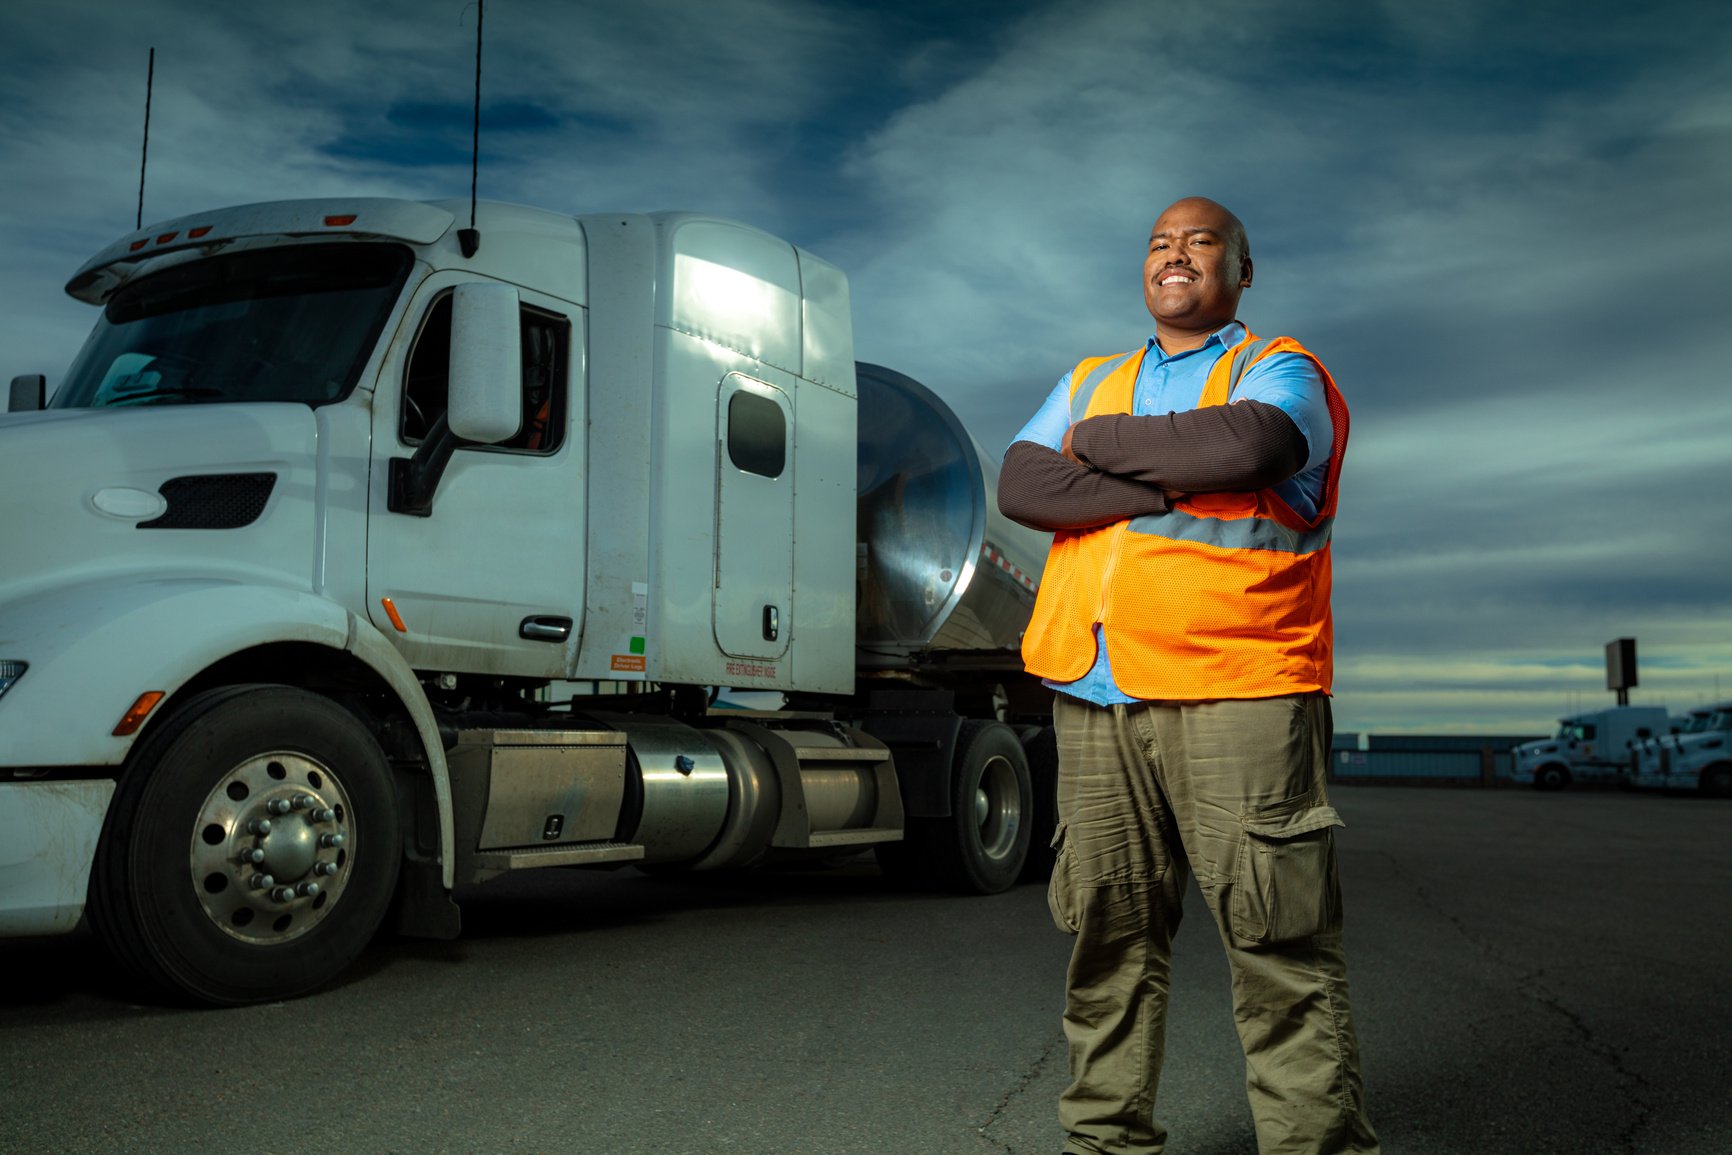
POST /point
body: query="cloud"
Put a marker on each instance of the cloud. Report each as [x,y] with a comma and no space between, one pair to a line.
[1502,227]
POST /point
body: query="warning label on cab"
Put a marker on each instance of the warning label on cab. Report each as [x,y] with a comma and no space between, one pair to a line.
[751,670]
[632,662]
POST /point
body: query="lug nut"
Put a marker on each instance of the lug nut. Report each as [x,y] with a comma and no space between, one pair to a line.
[301,801]
[325,815]
[282,894]
[261,882]
[253,855]
[259,826]
[331,841]
[278,806]
[325,869]
[307,889]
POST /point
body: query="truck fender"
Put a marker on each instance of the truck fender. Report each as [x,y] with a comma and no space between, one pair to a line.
[94,647]
[923,744]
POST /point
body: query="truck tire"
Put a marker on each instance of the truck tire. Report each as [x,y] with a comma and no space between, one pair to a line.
[194,892]
[980,848]
[1716,780]
[1551,776]
[1041,749]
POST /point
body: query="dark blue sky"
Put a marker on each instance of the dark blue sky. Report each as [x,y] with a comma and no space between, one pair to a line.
[1503,226]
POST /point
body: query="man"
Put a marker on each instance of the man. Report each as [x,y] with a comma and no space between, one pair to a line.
[1184,621]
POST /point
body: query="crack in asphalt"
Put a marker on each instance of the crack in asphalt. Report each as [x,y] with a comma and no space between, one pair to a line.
[1028,1076]
[1529,986]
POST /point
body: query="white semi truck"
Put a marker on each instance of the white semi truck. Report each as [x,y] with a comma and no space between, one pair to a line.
[1699,757]
[337,490]
[1588,747]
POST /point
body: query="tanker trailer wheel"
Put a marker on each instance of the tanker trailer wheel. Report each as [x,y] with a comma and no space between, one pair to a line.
[1551,777]
[980,848]
[1716,781]
[251,848]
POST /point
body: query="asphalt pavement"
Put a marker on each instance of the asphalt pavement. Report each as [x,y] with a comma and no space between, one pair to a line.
[1531,973]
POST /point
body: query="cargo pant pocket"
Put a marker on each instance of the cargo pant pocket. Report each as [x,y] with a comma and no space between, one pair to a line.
[1285,889]
[1061,896]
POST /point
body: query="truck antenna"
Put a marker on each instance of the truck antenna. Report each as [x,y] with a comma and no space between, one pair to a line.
[469,239]
[144,156]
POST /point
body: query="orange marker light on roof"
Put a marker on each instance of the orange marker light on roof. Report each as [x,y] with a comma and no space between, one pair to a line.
[195,234]
[391,612]
[137,245]
[167,237]
[134,717]
[337,222]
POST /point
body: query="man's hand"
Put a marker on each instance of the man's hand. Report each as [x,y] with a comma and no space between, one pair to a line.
[1065,449]
[1042,489]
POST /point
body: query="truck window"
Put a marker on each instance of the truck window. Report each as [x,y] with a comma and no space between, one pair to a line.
[287,323]
[757,435]
[546,345]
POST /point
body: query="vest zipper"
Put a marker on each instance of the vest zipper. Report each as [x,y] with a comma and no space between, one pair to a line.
[1107,572]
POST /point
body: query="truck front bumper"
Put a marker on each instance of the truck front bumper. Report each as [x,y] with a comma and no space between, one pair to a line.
[48,833]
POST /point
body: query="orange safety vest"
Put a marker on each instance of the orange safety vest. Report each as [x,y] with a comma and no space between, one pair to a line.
[1225,595]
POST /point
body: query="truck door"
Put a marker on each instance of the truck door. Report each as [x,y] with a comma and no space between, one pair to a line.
[492,581]
[754,519]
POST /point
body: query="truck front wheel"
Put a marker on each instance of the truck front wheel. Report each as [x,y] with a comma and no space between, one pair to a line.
[251,848]
[1551,777]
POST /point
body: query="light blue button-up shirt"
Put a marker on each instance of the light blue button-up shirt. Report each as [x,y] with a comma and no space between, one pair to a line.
[1288,381]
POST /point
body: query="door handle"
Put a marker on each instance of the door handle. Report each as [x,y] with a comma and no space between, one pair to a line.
[545,629]
[772,623]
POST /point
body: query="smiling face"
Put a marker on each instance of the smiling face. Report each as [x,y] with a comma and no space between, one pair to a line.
[1197,265]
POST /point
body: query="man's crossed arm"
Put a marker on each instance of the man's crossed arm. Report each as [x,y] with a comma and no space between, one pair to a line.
[1122,466]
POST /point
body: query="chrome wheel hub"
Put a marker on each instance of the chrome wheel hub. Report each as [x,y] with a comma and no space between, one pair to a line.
[997,808]
[271,846]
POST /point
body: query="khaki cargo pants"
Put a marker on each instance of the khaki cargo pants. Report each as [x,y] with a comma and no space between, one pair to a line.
[1232,791]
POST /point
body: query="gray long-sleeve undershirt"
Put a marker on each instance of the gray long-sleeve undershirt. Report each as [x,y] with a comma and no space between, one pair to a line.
[1131,463]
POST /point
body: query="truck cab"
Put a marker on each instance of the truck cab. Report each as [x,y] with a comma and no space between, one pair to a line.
[1651,758]
[1700,760]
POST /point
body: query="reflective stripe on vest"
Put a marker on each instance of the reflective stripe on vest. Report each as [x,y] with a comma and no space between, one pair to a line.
[1233,533]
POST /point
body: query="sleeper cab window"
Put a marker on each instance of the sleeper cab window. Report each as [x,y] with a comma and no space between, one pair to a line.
[546,348]
[757,435]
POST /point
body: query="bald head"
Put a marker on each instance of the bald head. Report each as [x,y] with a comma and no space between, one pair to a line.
[1198,262]
[1233,226]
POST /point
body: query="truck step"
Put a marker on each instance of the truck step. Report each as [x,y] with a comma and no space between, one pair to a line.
[859,837]
[568,854]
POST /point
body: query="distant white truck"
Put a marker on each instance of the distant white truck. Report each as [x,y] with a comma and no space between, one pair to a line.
[1697,758]
[1590,747]
[1646,755]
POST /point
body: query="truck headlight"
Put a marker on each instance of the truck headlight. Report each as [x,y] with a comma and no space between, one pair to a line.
[10,671]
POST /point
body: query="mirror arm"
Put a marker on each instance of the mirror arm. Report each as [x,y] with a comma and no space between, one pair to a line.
[415,479]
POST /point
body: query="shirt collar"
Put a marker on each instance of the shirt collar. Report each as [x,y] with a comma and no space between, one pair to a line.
[1226,337]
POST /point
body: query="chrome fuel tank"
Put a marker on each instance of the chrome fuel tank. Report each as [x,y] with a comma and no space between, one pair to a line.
[938,567]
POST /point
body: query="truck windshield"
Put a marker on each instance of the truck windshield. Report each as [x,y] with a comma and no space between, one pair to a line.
[292,323]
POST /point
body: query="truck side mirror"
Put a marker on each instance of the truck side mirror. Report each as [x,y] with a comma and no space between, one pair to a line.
[486,399]
[29,391]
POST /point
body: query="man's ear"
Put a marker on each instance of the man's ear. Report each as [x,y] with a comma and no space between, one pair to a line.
[1245,273]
